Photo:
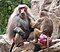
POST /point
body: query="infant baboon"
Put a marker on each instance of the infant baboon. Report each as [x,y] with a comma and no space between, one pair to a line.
[44,24]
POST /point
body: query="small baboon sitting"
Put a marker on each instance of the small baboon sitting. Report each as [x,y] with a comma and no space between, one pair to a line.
[44,27]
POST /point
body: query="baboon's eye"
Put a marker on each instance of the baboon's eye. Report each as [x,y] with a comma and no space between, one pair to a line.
[25,9]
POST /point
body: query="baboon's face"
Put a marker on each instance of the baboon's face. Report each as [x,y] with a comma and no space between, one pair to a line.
[22,11]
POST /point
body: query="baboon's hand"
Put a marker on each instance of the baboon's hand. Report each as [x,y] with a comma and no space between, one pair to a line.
[18,30]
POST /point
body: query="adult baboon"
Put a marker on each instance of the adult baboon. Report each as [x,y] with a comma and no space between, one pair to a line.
[21,17]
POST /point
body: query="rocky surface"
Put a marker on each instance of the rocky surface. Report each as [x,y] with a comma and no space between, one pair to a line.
[51,9]
[27,47]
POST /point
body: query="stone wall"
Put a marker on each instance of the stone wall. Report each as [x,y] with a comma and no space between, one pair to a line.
[53,11]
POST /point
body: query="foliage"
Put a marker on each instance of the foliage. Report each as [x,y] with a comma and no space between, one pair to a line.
[6,9]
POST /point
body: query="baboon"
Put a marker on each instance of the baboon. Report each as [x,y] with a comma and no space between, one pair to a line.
[44,27]
[47,25]
[19,27]
[21,17]
[44,24]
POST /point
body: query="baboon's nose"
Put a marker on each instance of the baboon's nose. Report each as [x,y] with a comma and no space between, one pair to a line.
[22,14]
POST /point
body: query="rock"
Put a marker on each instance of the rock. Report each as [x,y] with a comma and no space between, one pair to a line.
[56,25]
[54,48]
[4,45]
[25,48]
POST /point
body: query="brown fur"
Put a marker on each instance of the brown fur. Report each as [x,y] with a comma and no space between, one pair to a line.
[45,25]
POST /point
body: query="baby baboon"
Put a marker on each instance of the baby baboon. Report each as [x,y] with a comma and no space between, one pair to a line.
[44,24]
[47,25]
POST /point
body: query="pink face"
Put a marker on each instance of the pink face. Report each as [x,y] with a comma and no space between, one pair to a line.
[22,12]
[22,9]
